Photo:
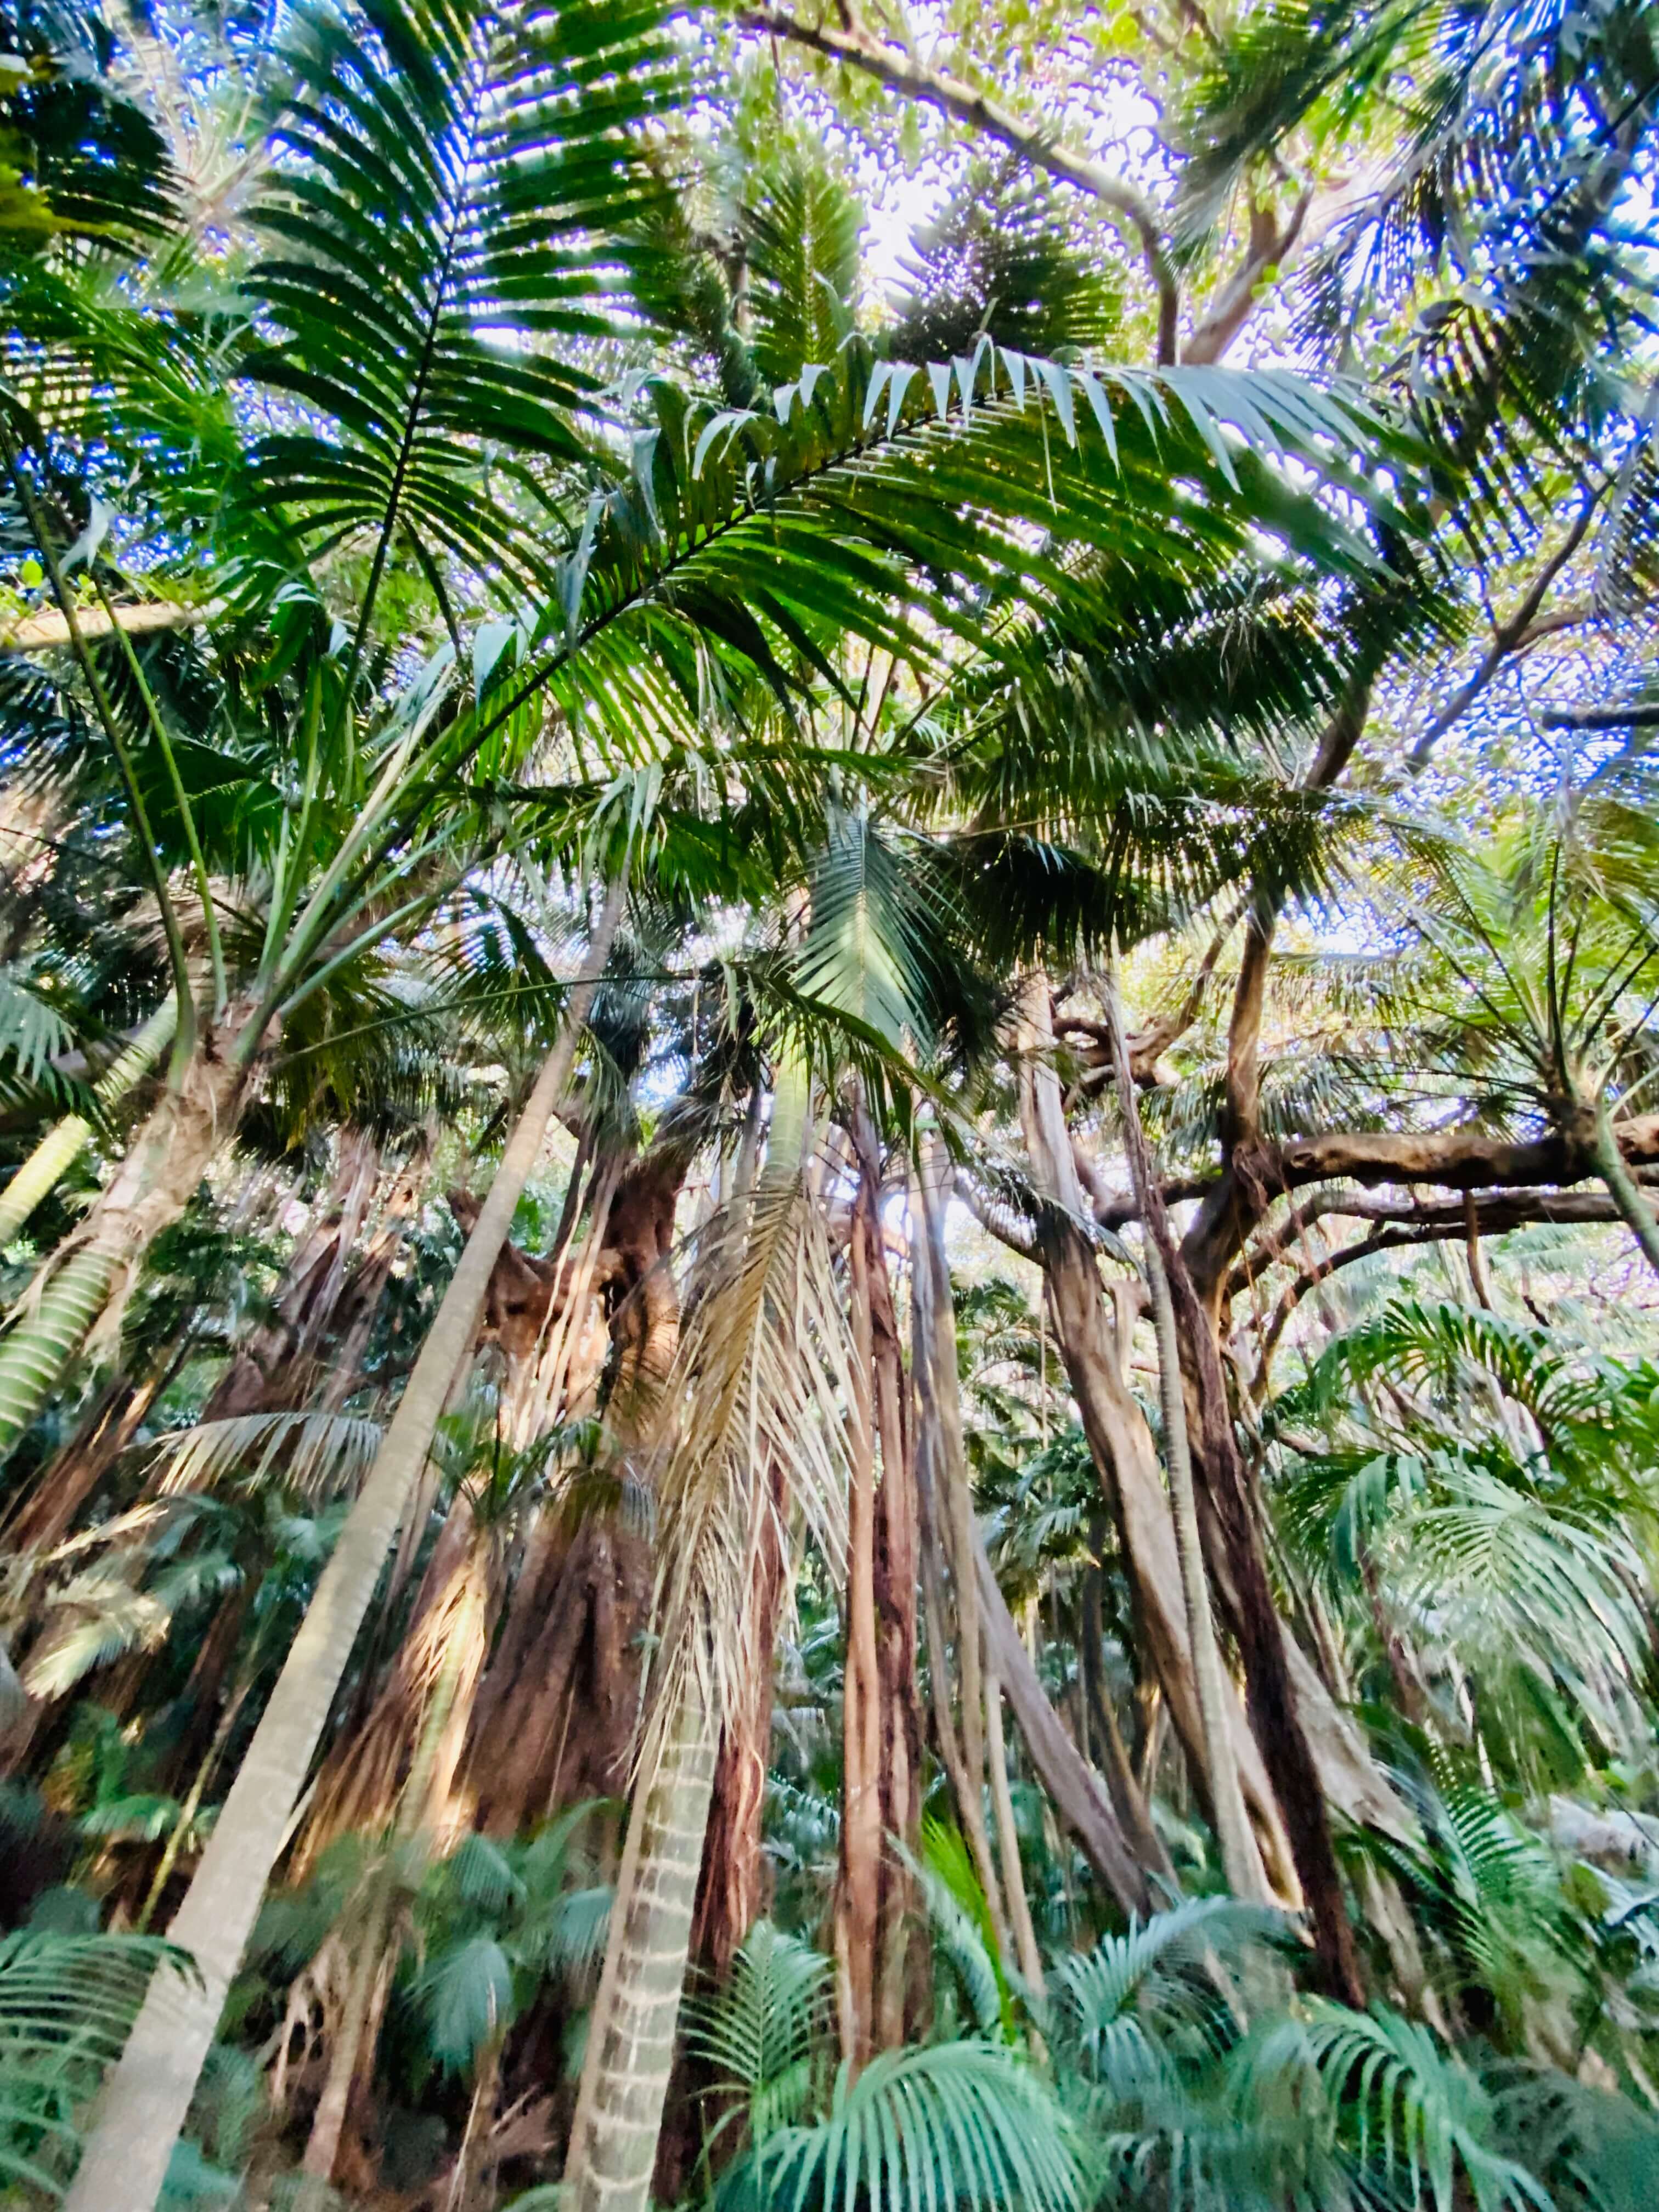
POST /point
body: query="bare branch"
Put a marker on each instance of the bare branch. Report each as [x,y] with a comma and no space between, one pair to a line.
[1604,718]
[1230,305]
[1511,637]
[36,633]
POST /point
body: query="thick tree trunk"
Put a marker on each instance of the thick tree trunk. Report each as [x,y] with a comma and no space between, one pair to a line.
[146,2100]
[557,1714]
[274,1364]
[1122,1446]
[1241,1862]
[1273,1679]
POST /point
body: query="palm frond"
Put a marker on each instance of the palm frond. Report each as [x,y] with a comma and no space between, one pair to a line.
[966,2123]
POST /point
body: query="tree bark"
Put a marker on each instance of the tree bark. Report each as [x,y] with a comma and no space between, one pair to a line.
[1071,1782]
[1622,1188]
[1240,1860]
[1122,1446]
[1013,1873]
[63,1144]
[881,1980]
[858,1900]
[85,1283]
[146,2100]
[630,2050]
[944,1504]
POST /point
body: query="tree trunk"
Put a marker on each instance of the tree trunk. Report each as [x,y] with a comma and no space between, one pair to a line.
[1240,1860]
[941,1494]
[881,1976]
[1122,1446]
[63,1145]
[87,1280]
[147,2098]
[630,2050]
[1013,1873]
[1622,1188]
[1069,1781]
[1273,1680]
[273,1364]
[731,1895]
[858,1907]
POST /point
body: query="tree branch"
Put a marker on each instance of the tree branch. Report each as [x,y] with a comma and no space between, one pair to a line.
[902,72]
[39,632]
[1494,1213]
[1604,718]
[997,1218]
[1228,306]
[1509,637]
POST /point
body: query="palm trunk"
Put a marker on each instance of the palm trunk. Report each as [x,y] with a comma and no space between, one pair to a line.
[63,1144]
[1624,1190]
[148,2094]
[94,1268]
[630,2048]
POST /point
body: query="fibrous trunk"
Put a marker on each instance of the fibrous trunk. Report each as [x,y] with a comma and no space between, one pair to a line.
[879,1976]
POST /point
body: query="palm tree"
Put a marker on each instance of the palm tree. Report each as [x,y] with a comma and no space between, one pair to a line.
[146,2099]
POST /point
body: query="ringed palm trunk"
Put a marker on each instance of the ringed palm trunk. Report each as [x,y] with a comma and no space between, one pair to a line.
[94,1267]
[630,2051]
[63,1143]
[148,2094]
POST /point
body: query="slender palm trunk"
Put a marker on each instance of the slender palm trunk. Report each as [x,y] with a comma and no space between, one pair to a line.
[87,1280]
[63,1143]
[148,2094]
[1623,1188]
[630,2049]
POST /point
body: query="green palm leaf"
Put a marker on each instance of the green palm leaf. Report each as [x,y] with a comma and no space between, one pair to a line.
[66,2003]
[449,220]
[966,2123]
